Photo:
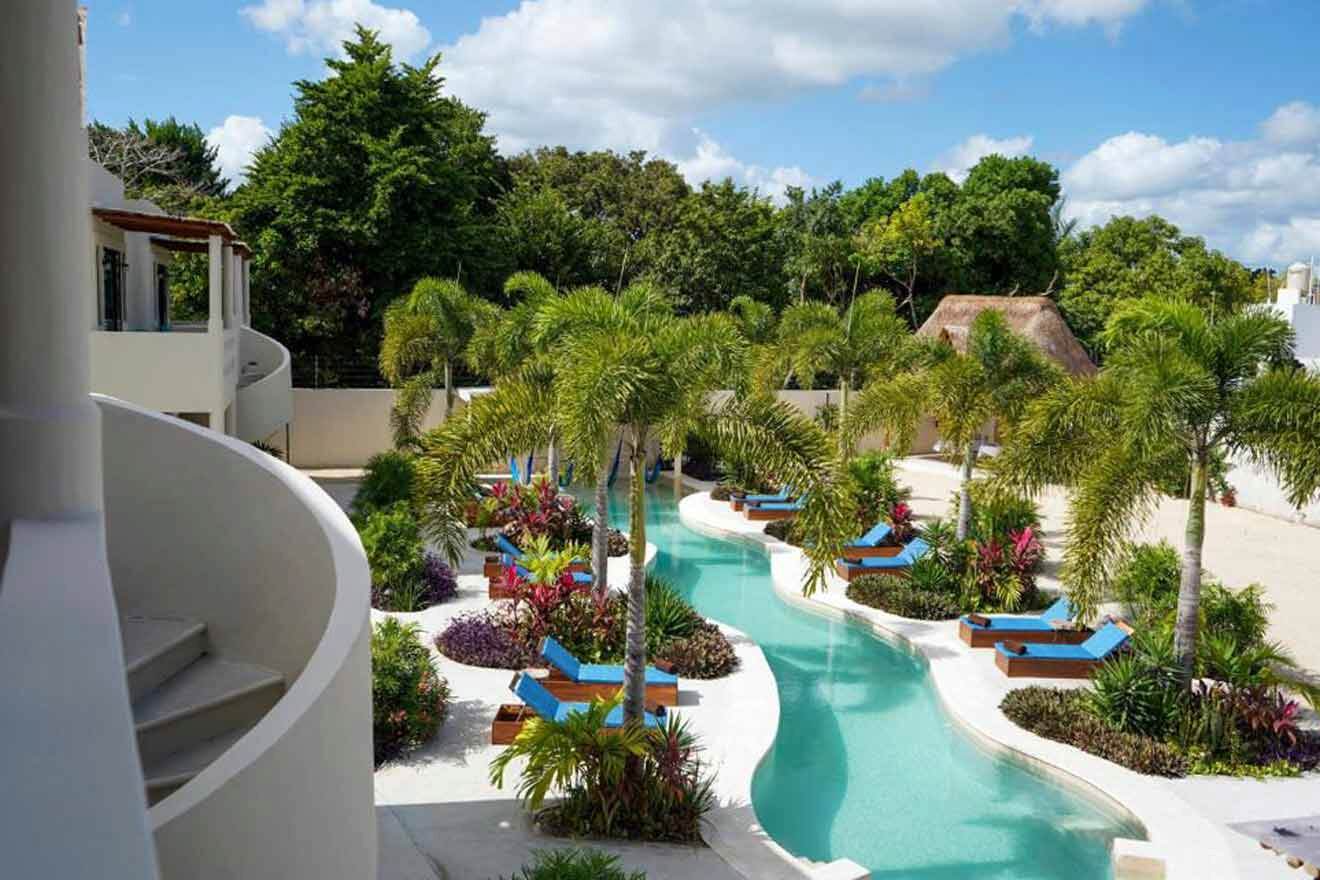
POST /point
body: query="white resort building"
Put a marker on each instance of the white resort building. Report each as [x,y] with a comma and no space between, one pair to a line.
[183,619]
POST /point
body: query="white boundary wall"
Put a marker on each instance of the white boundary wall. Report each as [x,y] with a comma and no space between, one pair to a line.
[343,427]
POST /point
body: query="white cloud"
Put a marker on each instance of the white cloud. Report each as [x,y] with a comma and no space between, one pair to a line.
[635,74]
[1295,123]
[320,26]
[1256,199]
[235,141]
[710,161]
[959,160]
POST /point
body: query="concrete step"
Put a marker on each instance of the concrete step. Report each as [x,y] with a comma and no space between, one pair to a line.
[209,698]
[156,648]
[167,774]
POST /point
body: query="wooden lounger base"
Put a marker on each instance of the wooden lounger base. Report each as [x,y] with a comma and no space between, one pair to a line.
[1035,667]
[584,692]
[736,503]
[881,552]
[757,514]
[851,572]
[986,638]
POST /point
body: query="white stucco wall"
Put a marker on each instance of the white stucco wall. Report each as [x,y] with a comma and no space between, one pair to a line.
[169,372]
[236,539]
[1258,490]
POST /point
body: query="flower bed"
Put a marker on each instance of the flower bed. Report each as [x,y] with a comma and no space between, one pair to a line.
[591,626]
[524,513]
[409,700]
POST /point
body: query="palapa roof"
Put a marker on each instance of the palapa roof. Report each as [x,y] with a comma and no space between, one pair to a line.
[1035,317]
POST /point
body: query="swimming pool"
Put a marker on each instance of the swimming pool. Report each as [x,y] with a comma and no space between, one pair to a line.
[865,764]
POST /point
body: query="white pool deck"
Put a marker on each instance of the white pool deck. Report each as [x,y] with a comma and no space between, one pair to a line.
[440,817]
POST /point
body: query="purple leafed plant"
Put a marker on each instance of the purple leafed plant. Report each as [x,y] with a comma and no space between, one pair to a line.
[482,639]
[441,582]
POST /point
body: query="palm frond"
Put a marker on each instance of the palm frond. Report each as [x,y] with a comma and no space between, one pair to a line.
[1274,421]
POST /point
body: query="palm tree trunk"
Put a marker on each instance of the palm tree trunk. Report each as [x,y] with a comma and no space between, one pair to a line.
[552,461]
[600,530]
[449,388]
[965,489]
[845,452]
[634,667]
[1189,588]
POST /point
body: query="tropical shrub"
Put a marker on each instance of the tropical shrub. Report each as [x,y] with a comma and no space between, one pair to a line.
[668,615]
[1135,695]
[484,638]
[1146,582]
[539,510]
[439,581]
[1002,571]
[875,488]
[723,491]
[1243,614]
[409,700]
[574,864]
[704,654]
[386,481]
[997,513]
[902,528]
[631,782]
[1066,717]
[783,529]
[895,594]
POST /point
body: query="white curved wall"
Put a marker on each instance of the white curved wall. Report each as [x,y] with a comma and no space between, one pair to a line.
[266,405]
[204,526]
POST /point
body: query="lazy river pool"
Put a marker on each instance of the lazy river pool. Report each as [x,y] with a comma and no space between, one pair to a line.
[866,765]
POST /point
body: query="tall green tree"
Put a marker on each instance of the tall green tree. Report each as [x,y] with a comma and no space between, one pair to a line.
[863,341]
[378,179]
[1127,258]
[1000,226]
[992,382]
[426,332]
[1178,388]
[900,246]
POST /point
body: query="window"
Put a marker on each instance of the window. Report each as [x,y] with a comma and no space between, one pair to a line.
[113,269]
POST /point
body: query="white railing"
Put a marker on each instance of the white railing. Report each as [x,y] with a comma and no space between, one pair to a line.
[266,405]
[206,527]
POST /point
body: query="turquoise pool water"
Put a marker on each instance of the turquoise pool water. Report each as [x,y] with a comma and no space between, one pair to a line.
[866,765]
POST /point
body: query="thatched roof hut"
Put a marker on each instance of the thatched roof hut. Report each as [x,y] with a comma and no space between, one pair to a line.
[1035,317]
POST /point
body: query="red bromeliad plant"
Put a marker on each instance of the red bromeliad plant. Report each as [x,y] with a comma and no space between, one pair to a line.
[1003,570]
[901,526]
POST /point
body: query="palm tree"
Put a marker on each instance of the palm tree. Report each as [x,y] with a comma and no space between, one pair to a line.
[992,381]
[628,363]
[865,340]
[1177,391]
[425,332]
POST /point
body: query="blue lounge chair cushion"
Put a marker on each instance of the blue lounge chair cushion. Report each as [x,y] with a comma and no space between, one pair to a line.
[582,577]
[878,533]
[1106,641]
[782,495]
[915,549]
[547,705]
[508,547]
[590,673]
[784,505]
[1061,611]
[579,577]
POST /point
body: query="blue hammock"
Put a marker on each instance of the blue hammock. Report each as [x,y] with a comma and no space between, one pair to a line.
[566,479]
[614,469]
[654,473]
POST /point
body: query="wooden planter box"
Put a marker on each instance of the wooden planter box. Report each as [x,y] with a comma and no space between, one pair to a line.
[509,721]
[737,502]
[585,692]
[497,589]
[492,567]
[978,637]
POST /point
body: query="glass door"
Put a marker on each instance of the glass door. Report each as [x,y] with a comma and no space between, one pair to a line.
[112,289]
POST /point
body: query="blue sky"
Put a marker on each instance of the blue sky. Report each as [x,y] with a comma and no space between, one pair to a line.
[1201,110]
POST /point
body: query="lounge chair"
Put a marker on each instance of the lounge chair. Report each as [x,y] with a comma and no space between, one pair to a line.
[537,701]
[742,502]
[872,544]
[1050,626]
[773,510]
[571,679]
[1018,659]
[849,569]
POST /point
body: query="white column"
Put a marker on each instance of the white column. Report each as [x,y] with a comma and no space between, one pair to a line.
[215,319]
[50,432]
[72,797]
[247,292]
[227,261]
